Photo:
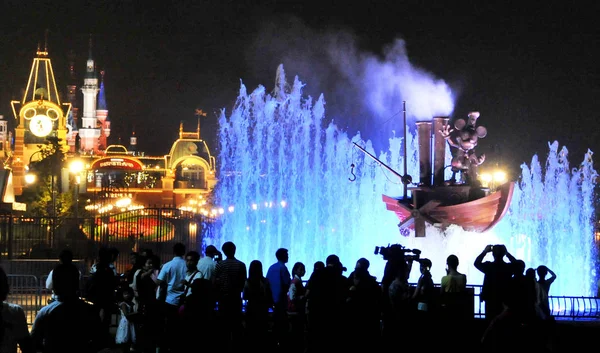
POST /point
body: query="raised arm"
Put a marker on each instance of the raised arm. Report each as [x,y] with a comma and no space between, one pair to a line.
[418,289]
[552,276]
[511,258]
[479,260]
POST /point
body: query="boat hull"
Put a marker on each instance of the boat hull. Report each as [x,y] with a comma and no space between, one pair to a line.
[477,215]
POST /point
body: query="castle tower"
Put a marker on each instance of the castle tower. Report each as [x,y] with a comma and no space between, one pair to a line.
[4,143]
[72,118]
[133,143]
[39,115]
[89,131]
[102,116]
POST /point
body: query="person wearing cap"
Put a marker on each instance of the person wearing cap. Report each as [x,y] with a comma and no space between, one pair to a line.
[206,265]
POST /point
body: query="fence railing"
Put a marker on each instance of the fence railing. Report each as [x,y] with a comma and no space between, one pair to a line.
[31,244]
[561,306]
[31,294]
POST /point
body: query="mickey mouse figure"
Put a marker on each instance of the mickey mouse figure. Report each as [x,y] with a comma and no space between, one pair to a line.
[464,138]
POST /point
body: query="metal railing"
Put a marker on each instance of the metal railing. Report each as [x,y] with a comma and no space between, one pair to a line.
[32,244]
[31,294]
[561,306]
[26,291]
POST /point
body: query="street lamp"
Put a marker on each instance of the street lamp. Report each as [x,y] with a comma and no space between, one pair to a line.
[76,167]
[30,178]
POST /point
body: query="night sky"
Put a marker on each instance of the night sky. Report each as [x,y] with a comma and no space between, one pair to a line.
[531,70]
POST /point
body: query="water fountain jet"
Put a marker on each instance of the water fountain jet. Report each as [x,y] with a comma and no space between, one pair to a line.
[285,168]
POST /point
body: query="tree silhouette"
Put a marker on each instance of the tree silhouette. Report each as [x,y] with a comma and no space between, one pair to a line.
[47,163]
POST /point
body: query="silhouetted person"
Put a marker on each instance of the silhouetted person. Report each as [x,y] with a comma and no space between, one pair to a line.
[455,302]
[296,308]
[328,293]
[230,277]
[521,299]
[259,297]
[137,263]
[101,288]
[198,316]
[364,306]
[317,266]
[68,324]
[280,279]
[496,280]
[544,289]
[150,307]
[515,328]
[207,264]
[66,258]
[13,323]
[453,281]
[424,291]
[361,265]
[172,275]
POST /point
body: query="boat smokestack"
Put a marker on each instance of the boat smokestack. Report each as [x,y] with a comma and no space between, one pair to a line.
[439,150]
[424,135]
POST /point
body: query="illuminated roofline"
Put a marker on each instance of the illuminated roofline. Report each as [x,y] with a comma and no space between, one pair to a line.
[172,150]
[53,95]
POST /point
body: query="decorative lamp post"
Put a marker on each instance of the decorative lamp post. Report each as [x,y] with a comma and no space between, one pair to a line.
[76,167]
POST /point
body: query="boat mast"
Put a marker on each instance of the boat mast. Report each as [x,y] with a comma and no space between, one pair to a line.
[378,161]
[405,162]
[405,179]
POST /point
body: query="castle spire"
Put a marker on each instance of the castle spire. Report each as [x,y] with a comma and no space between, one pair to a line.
[46,40]
[89,132]
[101,96]
[133,142]
[41,84]
[90,47]
[90,72]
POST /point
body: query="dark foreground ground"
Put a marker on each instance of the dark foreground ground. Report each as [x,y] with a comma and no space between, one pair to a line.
[562,336]
[436,336]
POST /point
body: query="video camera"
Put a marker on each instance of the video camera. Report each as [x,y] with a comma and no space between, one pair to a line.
[397,251]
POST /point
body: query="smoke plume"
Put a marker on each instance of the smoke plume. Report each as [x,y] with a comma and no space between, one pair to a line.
[364,89]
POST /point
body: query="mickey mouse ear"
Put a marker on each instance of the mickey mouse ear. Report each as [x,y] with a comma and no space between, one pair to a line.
[481,131]
[459,124]
[474,115]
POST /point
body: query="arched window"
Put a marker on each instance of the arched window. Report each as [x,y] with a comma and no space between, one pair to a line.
[193,173]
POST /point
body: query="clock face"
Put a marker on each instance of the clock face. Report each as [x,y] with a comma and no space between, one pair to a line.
[40,125]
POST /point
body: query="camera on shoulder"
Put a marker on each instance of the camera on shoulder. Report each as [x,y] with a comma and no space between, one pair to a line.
[397,251]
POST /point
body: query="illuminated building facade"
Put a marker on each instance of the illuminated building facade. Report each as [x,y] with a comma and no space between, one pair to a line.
[39,114]
[115,175]
[95,126]
[124,179]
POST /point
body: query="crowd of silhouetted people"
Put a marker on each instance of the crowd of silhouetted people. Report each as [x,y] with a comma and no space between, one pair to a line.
[216,302]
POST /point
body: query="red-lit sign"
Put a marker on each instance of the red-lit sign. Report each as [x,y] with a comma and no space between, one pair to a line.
[117,163]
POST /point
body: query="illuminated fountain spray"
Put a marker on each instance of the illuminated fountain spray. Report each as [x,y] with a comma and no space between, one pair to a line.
[285,180]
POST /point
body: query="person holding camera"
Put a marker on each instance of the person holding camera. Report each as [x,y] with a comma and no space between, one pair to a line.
[496,280]
[206,265]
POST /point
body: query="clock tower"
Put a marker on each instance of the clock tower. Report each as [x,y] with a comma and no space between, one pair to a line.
[39,115]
